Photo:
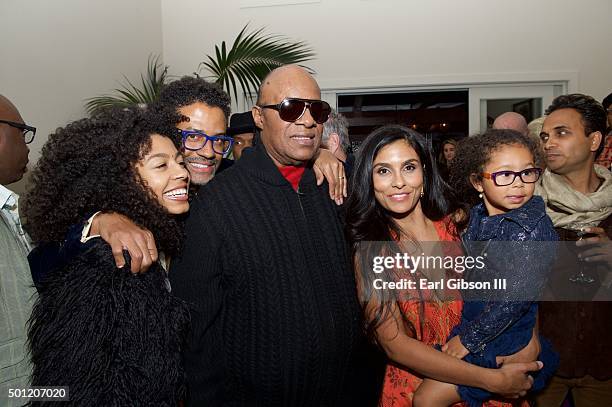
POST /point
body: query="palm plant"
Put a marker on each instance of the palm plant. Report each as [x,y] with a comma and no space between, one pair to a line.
[130,94]
[252,56]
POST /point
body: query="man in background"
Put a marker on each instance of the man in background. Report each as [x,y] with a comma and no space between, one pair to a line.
[16,292]
[578,192]
[336,139]
[242,130]
[511,121]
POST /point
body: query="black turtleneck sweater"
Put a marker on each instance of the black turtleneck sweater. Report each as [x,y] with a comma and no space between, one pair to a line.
[266,271]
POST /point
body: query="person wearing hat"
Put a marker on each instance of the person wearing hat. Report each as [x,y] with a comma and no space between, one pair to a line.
[242,129]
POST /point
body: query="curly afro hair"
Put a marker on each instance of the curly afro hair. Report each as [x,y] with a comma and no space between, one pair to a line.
[186,91]
[474,152]
[89,166]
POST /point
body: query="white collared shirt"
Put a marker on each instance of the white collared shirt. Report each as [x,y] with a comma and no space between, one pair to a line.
[9,210]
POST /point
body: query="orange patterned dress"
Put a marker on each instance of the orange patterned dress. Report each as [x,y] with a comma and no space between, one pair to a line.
[439,319]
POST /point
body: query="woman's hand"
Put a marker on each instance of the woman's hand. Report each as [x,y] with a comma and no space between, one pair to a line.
[122,234]
[327,166]
[512,380]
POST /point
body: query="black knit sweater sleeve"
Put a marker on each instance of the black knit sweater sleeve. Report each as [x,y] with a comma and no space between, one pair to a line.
[196,276]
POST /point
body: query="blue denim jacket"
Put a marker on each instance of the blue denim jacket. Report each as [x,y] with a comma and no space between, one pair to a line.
[524,265]
[500,322]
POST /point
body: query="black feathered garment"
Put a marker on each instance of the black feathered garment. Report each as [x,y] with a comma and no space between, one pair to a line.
[113,337]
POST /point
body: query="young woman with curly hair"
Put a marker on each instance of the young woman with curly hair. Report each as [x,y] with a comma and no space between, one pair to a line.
[397,200]
[113,337]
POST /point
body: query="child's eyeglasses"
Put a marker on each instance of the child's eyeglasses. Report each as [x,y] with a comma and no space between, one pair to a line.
[504,178]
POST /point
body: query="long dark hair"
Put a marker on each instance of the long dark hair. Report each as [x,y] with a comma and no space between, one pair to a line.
[367,221]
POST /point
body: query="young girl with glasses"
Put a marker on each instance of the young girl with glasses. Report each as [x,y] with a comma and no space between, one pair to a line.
[508,226]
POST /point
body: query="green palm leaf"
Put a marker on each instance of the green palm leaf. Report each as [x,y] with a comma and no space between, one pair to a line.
[131,94]
[252,56]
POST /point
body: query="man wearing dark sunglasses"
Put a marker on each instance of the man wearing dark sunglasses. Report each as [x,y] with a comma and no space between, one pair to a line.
[15,281]
[199,110]
[265,267]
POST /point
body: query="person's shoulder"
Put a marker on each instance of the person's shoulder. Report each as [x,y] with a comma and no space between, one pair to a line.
[96,254]
[95,266]
[528,216]
[545,230]
[219,184]
[232,174]
[225,164]
[532,218]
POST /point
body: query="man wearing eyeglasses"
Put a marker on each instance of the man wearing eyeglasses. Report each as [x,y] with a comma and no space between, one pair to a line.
[16,294]
[266,270]
[200,111]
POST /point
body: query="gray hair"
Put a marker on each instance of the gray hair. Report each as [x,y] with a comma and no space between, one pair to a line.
[339,125]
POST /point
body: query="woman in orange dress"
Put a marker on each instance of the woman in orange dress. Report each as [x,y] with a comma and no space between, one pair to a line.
[397,199]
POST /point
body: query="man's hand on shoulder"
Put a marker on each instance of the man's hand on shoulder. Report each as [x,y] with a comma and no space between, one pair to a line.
[122,234]
[327,166]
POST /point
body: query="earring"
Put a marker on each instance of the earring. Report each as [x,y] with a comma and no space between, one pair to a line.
[480,196]
[422,193]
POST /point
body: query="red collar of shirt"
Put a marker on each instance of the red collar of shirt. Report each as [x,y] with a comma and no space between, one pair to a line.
[293,174]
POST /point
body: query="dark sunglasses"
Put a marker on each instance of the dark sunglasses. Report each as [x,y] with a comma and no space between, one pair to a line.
[28,131]
[291,109]
[504,178]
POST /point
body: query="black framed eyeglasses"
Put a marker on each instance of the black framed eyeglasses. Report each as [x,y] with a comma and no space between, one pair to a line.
[291,109]
[504,178]
[194,140]
[28,131]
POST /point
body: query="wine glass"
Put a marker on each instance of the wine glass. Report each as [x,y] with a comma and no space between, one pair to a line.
[579,229]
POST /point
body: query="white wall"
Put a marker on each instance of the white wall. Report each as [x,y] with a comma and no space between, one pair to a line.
[54,54]
[395,42]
